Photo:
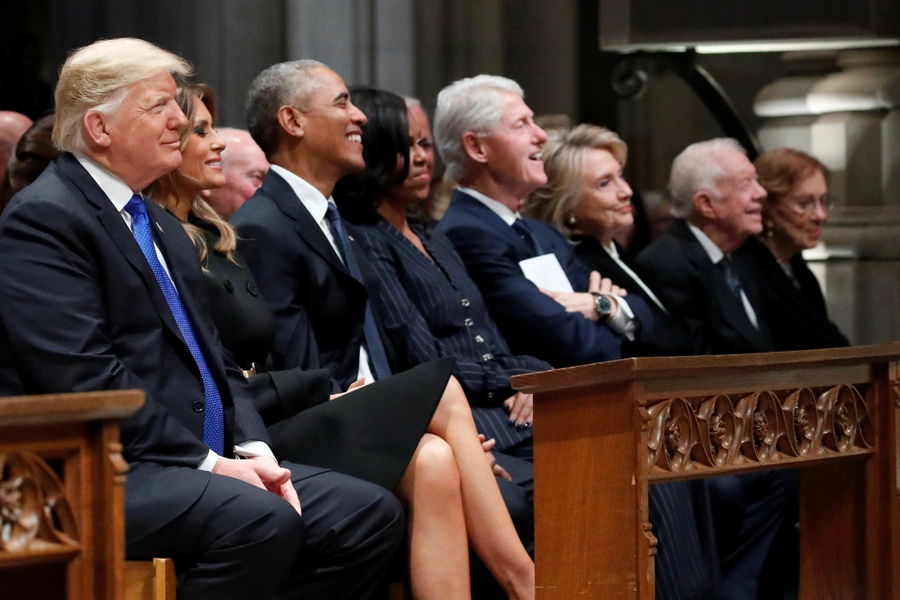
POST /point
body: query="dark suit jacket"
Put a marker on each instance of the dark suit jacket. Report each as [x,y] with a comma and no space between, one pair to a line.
[665,335]
[532,322]
[319,307]
[797,317]
[83,311]
[681,273]
[247,330]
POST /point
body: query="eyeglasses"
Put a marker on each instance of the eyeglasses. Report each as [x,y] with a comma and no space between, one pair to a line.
[808,204]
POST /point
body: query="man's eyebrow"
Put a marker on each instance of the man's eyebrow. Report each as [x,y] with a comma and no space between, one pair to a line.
[341,97]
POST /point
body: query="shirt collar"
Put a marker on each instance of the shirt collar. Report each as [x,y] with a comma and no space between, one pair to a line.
[501,210]
[612,250]
[115,189]
[311,198]
[715,253]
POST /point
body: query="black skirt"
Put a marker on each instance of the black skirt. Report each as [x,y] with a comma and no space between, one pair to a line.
[370,433]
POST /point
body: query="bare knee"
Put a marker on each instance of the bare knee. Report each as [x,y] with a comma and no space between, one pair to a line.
[436,465]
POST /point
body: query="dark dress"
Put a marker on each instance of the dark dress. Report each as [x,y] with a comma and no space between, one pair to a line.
[666,336]
[434,309]
[794,309]
[370,433]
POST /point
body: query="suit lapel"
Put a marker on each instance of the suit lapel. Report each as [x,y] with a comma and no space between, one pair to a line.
[182,259]
[731,308]
[118,231]
[283,195]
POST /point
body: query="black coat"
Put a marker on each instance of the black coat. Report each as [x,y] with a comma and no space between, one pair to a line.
[797,316]
[664,335]
[694,290]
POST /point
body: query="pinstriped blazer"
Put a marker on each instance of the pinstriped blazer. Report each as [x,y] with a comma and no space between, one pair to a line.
[433,309]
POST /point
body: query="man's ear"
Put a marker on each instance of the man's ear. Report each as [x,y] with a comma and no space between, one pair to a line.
[474,147]
[96,127]
[291,121]
[704,204]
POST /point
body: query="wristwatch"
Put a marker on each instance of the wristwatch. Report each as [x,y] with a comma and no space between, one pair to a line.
[602,305]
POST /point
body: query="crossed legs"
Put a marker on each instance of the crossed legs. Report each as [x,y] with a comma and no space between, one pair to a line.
[449,486]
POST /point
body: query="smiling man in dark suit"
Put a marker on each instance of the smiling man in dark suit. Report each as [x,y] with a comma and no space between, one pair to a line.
[487,137]
[304,257]
[102,290]
[716,200]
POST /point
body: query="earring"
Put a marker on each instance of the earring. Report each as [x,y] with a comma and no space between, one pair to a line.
[571,222]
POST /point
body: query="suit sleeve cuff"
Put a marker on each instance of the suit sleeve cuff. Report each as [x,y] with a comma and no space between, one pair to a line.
[248,449]
[209,462]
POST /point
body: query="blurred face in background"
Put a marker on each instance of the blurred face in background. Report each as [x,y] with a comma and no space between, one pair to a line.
[417,184]
[604,200]
[245,167]
[795,219]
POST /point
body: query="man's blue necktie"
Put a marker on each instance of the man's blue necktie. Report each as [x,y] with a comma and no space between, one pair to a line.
[213,420]
[373,341]
[524,231]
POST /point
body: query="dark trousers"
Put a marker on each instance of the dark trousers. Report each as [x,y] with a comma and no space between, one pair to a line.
[749,511]
[238,541]
[686,561]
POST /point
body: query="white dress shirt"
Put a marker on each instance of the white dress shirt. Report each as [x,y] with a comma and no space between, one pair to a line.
[716,255]
[317,205]
[119,194]
[622,323]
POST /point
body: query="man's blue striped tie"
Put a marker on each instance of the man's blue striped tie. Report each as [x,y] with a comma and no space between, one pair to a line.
[213,419]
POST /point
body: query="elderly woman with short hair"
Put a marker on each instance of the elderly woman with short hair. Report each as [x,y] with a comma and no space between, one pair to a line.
[588,200]
[794,213]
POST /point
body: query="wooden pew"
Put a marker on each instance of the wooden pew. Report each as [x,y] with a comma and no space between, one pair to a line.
[604,432]
[62,521]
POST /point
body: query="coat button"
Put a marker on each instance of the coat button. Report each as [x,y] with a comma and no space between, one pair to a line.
[251,287]
[479,339]
[465,302]
[228,286]
[490,395]
[197,406]
[487,356]
[469,322]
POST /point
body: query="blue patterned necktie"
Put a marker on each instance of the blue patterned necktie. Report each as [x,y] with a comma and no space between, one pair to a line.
[373,341]
[213,420]
[731,278]
[524,231]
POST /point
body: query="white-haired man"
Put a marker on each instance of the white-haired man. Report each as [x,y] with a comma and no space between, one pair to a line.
[716,200]
[244,165]
[97,295]
[488,139]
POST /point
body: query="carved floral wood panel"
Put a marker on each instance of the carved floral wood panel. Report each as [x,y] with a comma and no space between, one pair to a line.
[35,514]
[727,432]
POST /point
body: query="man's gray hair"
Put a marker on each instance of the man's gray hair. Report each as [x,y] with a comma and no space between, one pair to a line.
[99,77]
[473,104]
[284,84]
[698,168]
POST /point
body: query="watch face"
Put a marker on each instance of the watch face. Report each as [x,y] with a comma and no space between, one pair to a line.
[604,306]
